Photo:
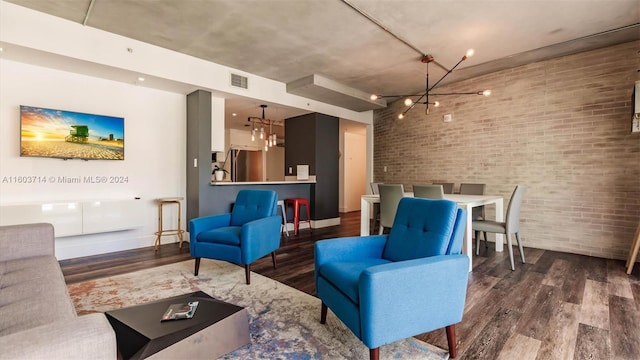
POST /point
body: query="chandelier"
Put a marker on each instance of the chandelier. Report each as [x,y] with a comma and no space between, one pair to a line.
[258,125]
[423,98]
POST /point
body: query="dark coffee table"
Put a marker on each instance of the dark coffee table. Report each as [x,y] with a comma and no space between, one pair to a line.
[217,328]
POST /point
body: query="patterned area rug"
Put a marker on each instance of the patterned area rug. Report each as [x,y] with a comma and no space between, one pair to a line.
[284,322]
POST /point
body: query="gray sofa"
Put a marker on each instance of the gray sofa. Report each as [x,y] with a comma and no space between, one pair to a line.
[37,317]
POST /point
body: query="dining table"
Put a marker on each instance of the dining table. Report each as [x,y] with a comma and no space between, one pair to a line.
[466,202]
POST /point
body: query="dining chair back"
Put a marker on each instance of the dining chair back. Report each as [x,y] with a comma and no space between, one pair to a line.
[390,195]
[428,191]
[446,187]
[477,213]
[511,225]
[376,206]
[513,211]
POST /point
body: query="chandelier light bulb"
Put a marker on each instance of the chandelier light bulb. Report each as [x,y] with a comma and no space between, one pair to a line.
[486,92]
[374,97]
[469,53]
[408,102]
[401,116]
[436,103]
[261,132]
[253,135]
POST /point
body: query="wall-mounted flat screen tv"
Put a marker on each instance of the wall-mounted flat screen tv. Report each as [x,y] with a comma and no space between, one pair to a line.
[70,135]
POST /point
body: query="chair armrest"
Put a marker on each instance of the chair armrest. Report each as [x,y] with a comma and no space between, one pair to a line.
[348,249]
[27,240]
[85,337]
[198,225]
[259,238]
[406,298]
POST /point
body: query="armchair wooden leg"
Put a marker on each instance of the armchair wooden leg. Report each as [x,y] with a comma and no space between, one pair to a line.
[374,354]
[451,340]
[197,268]
[247,273]
[323,314]
[273,257]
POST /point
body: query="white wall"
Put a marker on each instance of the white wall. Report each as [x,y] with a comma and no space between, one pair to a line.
[275,164]
[154,165]
[353,165]
[354,170]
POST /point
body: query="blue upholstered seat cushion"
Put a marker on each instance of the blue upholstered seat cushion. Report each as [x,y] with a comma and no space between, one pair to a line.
[415,235]
[345,275]
[229,235]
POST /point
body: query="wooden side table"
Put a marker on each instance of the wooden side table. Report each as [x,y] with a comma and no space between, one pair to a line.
[161,231]
[633,252]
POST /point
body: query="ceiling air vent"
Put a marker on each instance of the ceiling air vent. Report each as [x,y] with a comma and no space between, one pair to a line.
[239,81]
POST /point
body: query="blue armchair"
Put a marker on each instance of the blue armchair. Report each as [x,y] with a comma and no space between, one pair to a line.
[385,288]
[249,232]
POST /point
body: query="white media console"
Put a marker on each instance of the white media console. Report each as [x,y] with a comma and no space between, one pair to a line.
[71,218]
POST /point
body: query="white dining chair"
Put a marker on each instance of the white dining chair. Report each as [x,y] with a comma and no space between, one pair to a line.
[390,195]
[446,187]
[376,206]
[511,225]
[477,212]
[428,191]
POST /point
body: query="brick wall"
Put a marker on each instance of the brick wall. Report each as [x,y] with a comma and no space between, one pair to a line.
[560,126]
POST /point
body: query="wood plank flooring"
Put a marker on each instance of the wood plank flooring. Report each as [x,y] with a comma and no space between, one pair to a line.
[556,306]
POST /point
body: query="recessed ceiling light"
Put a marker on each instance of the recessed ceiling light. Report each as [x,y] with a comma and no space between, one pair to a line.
[234,114]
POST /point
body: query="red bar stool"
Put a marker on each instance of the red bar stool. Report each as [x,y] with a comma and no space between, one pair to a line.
[296,203]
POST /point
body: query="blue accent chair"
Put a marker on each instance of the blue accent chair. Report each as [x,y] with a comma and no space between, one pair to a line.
[249,232]
[386,288]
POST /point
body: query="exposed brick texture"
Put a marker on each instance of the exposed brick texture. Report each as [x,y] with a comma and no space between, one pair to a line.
[561,126]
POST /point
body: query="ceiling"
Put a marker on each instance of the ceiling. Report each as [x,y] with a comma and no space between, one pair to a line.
[345,41]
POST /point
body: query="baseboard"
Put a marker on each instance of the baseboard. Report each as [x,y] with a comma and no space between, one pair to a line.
[315,223]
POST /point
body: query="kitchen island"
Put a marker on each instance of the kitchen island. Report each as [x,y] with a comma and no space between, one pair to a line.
[221,195]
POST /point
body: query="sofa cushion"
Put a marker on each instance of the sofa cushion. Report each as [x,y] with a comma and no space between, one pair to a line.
[85,337]
[34,293]
[345,275]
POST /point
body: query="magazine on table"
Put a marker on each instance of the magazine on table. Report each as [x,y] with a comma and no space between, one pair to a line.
[180,311]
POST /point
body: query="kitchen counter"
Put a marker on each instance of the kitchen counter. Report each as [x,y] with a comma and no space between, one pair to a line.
[222,183]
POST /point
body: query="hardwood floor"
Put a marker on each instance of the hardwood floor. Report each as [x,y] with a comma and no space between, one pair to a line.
[556,306]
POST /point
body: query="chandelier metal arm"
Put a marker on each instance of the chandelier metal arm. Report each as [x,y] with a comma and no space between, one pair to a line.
[425,95]
[459,93]
[447,73]
[396,96]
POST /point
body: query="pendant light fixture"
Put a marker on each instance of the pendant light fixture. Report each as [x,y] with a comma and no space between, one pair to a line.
[270,139]
[423,97]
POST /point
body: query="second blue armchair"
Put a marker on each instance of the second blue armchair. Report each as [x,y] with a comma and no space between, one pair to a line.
[249,232]
[385,288]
